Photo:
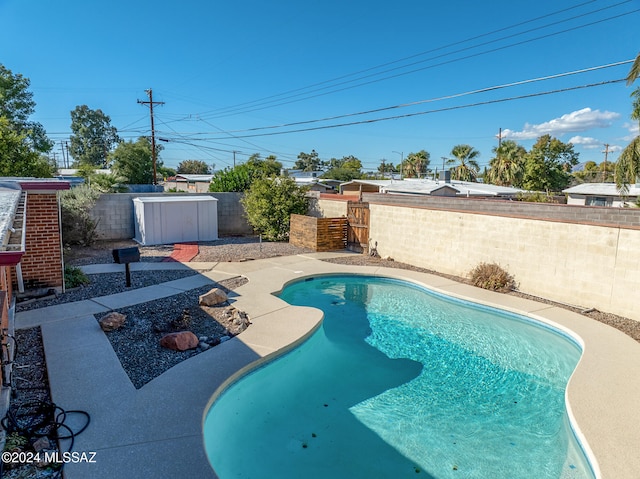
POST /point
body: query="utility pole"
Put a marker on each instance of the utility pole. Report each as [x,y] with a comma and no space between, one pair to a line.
[234,157]
[153,132]
[606,155]
[499,137]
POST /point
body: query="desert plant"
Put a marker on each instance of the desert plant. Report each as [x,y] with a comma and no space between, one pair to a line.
[74,277]
[492,276]
[78,227]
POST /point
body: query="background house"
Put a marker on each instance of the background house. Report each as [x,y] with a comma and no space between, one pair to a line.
[601,194]
[188,183]
[429,187]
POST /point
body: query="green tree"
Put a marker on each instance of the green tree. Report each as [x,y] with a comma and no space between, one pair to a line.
[165,172]
[17,158]
[134,162]
[93,137]
[241,177]
[467,168]
[236,179]
[258,167]
[269,204]
[24,141]
[548,165]
[308,161]
[385,167]
[507,166]
[342,174]
[345,169]
[193,167]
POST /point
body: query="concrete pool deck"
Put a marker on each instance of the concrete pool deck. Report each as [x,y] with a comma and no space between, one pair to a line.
[156,431]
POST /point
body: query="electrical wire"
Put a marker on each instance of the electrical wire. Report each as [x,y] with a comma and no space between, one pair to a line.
[416,55]
[309,95]
[439,110]
[441,98]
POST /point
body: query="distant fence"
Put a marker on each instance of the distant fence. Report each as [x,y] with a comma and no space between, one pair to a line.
[318,234]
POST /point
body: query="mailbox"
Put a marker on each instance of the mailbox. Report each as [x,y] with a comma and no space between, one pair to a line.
[126,255]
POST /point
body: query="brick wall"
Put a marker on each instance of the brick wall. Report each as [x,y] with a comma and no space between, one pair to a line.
[42,265]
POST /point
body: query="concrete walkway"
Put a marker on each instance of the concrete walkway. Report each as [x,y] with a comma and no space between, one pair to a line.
[156,431]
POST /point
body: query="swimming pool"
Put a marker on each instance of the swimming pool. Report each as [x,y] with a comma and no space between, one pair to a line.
[401,382]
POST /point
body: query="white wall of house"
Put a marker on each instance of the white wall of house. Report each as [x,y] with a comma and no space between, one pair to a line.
[595,200]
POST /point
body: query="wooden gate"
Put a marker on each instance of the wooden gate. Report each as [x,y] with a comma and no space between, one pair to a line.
[358,227]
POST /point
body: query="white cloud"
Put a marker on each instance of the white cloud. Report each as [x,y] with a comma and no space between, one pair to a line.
[586,142]
[634,130]
[580,120]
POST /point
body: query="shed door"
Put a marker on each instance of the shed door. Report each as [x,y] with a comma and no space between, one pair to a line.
[358,227]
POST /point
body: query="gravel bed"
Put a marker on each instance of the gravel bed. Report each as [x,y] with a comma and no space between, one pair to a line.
[104,284]
[30,388]
[137,343]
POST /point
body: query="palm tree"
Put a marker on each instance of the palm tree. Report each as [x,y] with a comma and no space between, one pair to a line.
[468,168]
[507,166]
[419,162]
[628,165]
[634,73]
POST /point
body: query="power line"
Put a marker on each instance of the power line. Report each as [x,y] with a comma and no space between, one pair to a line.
[295,98]
[443,47]
[440,110]
[446,97]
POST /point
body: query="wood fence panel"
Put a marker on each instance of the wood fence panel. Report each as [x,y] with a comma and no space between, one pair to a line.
[318,234]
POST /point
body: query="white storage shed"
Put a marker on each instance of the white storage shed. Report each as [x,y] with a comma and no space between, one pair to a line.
[175,219]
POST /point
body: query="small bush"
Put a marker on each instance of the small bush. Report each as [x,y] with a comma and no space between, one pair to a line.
[492,276]
[78,227]
[74,277]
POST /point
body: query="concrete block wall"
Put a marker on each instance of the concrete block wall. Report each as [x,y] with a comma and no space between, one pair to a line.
[114,213]
[582,264]
[335,207]
[575,213]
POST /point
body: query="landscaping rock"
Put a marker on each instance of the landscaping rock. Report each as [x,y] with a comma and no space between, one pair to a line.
[213,297]
[112,321]
[241,320]
[180,341]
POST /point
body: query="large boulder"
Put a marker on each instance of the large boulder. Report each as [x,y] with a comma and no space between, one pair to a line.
[213,297]
[180,341]
[112,321]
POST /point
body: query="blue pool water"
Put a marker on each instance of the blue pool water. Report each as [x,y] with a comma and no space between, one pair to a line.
[400,382]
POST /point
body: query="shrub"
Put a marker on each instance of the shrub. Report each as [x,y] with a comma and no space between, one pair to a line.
[74,277]
[78,227]
[536,197]
[269,204]
[492,276]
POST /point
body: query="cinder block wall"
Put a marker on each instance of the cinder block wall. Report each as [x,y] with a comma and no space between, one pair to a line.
[570,261]
[335,208]
[114,213]
[42,264]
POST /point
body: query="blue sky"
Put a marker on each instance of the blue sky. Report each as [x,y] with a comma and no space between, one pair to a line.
[231,73]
